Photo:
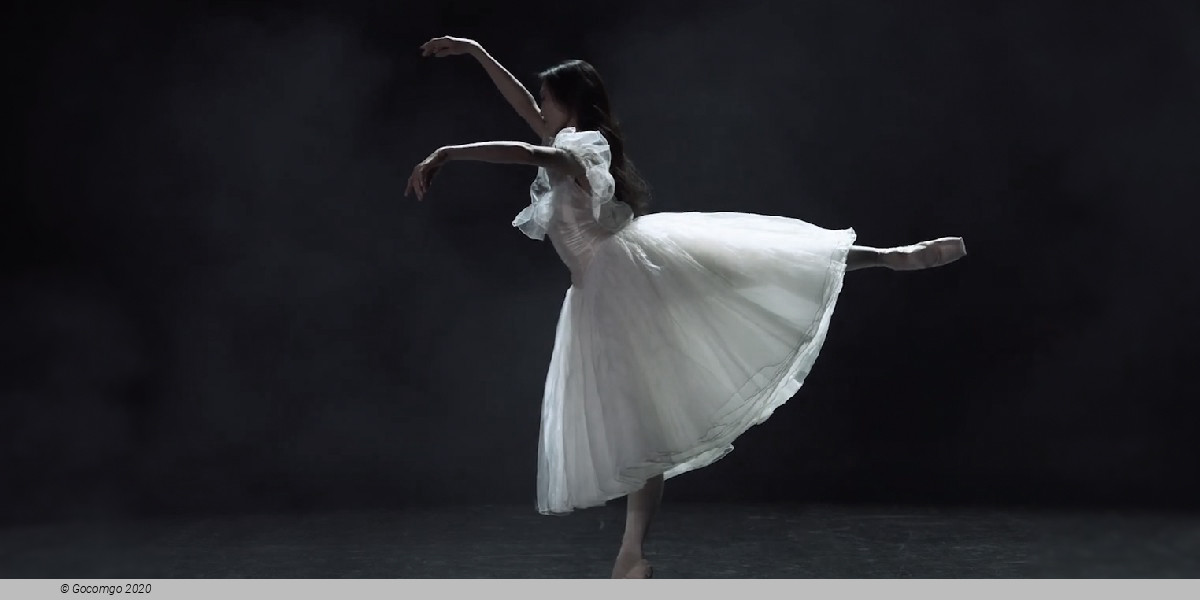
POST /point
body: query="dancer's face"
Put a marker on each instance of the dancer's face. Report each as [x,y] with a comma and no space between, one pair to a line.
[556,116]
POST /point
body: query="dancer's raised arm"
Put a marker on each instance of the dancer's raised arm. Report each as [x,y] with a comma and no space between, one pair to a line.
[521,153]
[509,86]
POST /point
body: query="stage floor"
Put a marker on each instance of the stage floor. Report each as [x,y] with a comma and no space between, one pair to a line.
[687,541]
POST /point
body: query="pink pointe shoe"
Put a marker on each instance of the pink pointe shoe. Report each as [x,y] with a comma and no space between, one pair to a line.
[926,255]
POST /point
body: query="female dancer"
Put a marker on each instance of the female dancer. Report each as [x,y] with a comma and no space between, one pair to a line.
[680,330]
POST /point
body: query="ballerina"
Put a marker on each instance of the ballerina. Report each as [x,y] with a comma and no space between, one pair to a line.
[680,330]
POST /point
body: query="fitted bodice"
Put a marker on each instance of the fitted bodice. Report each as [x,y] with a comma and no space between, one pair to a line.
[573,228]
[579,221]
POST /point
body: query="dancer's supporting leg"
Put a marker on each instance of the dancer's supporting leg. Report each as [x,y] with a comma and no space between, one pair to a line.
[640,509]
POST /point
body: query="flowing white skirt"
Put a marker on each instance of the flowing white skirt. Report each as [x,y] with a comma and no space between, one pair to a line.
[687,329]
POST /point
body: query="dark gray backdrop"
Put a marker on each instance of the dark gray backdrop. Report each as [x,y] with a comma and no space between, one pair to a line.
[216,299]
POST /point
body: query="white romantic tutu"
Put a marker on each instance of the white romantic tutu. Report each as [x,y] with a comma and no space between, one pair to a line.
[684,330]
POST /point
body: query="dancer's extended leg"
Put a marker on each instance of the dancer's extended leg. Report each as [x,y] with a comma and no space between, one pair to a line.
[922,255]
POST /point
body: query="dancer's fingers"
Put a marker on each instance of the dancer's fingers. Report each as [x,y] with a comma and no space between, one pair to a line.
[414,181]
[431,47]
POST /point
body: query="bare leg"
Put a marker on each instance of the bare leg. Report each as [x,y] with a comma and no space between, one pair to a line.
[922,255]
[862,257]
[639,510]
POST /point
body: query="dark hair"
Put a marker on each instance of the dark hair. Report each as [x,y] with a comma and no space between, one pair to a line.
[577,86]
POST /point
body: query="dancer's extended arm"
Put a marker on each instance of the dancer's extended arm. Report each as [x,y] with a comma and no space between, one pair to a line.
[521,153]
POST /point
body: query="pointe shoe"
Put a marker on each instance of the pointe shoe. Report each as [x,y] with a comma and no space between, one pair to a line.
[642,570]
[926,255]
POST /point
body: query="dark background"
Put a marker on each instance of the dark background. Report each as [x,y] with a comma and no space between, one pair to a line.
[214,297]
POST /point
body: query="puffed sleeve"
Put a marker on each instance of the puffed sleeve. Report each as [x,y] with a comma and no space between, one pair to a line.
[535,218]
[593,151]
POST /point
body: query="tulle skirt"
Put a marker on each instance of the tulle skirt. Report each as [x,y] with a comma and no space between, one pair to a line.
[686,329]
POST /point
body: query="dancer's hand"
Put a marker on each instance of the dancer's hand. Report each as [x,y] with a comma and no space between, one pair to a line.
[448,46]
[423,173]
